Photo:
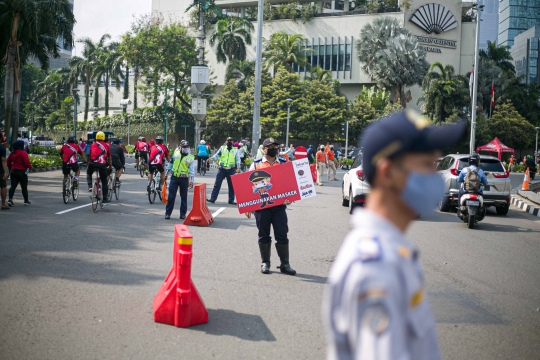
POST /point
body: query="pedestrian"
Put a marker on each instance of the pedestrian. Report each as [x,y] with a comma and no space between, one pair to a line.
[202,155]
[327,147]
[275,217]
[511,163]
[182,168]
[331,163]
[322,163]
[3,173]
[118,159]
[375,304]
[19,164]
[311,154]
[82,144]
[229,158]
[260,153]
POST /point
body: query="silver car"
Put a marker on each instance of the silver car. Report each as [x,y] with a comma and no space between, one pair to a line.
[496,192]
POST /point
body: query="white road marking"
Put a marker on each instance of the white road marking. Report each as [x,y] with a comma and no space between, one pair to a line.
[75,208]
[217,212]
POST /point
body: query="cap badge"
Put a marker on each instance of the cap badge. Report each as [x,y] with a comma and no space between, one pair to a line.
[419,122]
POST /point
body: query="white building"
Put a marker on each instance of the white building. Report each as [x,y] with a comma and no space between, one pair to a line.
[332,34]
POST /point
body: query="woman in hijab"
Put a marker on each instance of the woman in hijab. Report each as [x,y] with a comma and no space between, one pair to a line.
[19,163]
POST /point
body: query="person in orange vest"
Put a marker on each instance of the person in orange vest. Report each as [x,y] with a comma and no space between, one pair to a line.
[331,163]
[322,163]
[327,147]
[511,163]
[275,216]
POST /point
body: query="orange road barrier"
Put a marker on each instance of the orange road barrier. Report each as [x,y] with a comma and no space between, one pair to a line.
[199,215]
[177,301]
[526,180]
[313,168]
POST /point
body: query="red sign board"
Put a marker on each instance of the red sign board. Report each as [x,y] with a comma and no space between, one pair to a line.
[271,186]
[300,152]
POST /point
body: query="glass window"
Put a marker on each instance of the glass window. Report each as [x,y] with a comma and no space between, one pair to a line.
[348,51]
[314,55]
[358,161]
[341,57]
[328,57]
[335,52]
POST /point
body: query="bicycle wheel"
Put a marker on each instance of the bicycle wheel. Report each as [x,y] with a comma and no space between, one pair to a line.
[117,191]
[110,187]
[95,199]
[152,193]
[141,169]
[75,192]
[65,190]
[203,169]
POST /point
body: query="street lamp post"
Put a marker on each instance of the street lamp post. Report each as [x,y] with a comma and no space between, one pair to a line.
[289,101]
[32,121]
[75,100]
[258,76]
[95,115]
[124,103]
[536,148]
[479,9]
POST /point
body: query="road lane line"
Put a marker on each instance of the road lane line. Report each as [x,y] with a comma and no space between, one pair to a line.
[217,212]
[75,208]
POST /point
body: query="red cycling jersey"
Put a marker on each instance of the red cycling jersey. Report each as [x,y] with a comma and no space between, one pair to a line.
[69,153]
[156,155]
[165,150]
[143,146]
[99,152]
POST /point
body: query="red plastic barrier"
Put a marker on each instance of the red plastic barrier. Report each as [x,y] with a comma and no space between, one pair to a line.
[199,215]
[313,168]
[177,301]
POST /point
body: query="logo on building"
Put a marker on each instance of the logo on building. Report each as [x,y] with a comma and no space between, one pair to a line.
[434,18]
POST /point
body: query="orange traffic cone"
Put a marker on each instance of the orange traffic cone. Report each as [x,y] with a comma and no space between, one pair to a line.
[526,181]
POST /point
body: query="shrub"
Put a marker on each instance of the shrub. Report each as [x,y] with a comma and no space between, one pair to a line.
[130,149]
[44,151]
[45,162]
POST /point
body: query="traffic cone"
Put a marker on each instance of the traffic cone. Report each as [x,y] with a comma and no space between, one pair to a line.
[199,215]
[177,301]
[526,180]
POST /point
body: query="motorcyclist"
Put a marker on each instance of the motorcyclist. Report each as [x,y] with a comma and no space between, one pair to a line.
[474,162]
[529,164]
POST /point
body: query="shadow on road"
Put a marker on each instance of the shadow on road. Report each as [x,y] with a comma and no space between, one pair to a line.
[311,278]
[243,326]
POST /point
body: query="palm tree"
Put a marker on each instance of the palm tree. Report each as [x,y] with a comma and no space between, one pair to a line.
[242,72]
[84,66]
[319,74]
[444,92]
[285,50]
[231,36]
[30,28]
[109,63]
[500,55]
[391,56]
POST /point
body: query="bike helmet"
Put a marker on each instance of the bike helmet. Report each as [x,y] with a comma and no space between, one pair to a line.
[72,140]
[203,142]
[229,139]
[529,157]
[184,143]
[159,139]
[139,138]
[143,138]
[100,136]
[474,159]
[116,141]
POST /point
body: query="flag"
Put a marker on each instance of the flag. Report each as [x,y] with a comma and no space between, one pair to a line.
[492,95]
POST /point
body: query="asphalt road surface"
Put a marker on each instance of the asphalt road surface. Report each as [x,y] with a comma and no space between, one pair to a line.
[79,285]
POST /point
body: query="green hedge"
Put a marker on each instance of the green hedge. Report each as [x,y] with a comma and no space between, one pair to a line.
[45,162]
[44,151]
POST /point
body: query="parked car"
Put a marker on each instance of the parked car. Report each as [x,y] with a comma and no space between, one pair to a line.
[43,141]
[354,186]
[496,192]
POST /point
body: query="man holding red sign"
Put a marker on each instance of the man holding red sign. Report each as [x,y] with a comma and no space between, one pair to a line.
[275,216]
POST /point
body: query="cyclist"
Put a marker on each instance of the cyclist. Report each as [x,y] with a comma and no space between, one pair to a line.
[202,155]
[118,159]
[159,142]
[157,156]
[68,153]
[137,150]
[100,160]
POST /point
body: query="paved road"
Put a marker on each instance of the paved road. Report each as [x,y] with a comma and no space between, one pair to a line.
[80,285]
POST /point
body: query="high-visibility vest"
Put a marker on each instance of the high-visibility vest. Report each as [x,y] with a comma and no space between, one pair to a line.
[228,157]
[259,164]
[181,164]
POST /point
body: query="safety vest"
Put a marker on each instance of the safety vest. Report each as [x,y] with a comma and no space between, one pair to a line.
[245,150]
[259,164]
[181,164]
[227,158]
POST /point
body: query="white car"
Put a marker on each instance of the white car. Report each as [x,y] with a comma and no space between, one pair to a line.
[354,187]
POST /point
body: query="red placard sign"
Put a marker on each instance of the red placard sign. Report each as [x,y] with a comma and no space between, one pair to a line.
[300,152]
[271,186]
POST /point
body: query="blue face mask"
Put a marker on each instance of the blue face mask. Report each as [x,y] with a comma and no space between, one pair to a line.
[423,192]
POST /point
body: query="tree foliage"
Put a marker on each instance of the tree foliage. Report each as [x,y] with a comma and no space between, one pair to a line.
[500,55]
[283,49]
[230,36]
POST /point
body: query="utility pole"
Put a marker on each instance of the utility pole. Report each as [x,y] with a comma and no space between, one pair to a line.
[124,103]
[479,9]
[75,100]
[258,76]
[32,121]
[289,101]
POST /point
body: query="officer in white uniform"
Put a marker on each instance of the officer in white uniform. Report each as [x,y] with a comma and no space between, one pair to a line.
[376,305]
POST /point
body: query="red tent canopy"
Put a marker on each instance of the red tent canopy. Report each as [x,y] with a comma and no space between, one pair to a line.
[495,145]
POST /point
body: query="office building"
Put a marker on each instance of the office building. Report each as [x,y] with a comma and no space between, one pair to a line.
[525,55]
[489,28]
[516,16]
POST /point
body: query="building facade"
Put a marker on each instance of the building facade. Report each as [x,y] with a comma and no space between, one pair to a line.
[525,55]
[333,33]
[489,28]
[516,16]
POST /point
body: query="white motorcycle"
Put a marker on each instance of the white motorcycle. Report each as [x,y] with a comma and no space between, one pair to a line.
[471,209]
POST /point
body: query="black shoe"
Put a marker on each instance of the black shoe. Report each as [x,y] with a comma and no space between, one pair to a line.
[232,203]
[167,216]
[211,201]
[105,201]
[118,181]
[182,216]
[283,252]
[265,257]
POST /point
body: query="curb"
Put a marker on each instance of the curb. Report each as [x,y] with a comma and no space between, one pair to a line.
[46,169]
[533,210]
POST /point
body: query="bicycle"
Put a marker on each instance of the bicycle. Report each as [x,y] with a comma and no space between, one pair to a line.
[116,189]
[96,193]
[110,186]
[153,190]
[142,167]
[68,189]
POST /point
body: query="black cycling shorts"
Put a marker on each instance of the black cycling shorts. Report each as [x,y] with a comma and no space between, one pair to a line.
[136,154]
[117,164]
[143,155]
[66,168]
[154,167]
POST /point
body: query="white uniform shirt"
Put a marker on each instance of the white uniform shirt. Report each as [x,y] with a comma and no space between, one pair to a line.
[375,304]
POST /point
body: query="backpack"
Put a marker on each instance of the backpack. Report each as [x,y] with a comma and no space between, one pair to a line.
[472,181]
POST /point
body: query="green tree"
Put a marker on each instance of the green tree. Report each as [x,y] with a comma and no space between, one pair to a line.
[109,63]
[318,73]
[443,92]
[29,28]
[525,97]
[391,56]
[500,55]
[222,117]
[230,36]
[363,113]
[490,74]
[241,72]
[285,50]
[379,99]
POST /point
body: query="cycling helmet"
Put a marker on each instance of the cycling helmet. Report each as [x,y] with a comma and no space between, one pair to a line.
[143,138]
[184,143]
[100,136]
[474,159]
[159,139]
[529,157]
[72,140]
[116,141]
[229,139]
[203,142]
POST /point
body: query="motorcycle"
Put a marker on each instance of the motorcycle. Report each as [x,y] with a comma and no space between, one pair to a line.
[471,209]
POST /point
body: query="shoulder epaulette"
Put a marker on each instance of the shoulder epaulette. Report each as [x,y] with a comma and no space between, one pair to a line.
[369,249]
[258,160]
[282,160]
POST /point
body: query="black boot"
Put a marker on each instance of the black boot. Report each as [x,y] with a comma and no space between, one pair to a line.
[283,252]
[265,257]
